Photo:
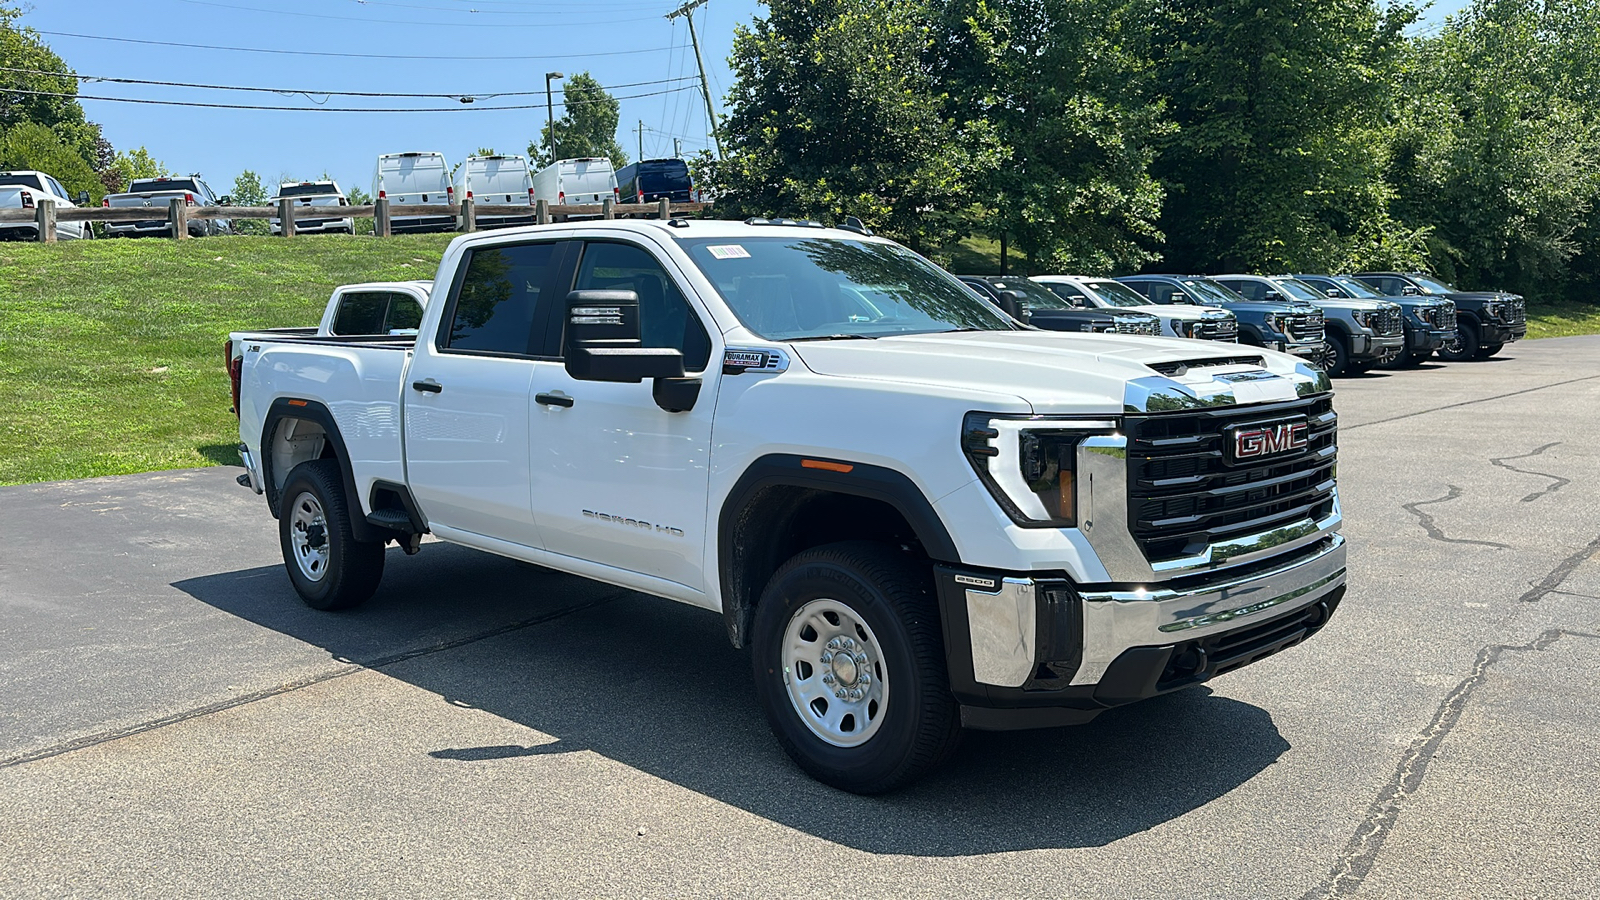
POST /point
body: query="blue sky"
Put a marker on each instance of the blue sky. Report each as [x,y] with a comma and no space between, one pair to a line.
[220,143]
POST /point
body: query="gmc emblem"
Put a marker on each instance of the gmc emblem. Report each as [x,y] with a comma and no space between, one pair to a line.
[1255,441]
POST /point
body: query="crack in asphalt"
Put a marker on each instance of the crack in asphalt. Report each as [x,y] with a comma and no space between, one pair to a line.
[105,737]
[1433,530]
[1559,481]
[1356,862]
[1422,412]
[1550,582]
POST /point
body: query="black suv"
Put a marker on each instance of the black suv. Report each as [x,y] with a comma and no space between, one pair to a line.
[1485,320]
[1286,326]
[1429,321]
[1042,308]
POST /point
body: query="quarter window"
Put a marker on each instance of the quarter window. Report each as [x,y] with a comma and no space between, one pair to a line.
[665,318]
[500,300]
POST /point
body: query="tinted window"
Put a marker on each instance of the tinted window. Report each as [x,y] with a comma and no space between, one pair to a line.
[1069,293]
[1159,292]
[361,313]
[147,185]
[404,312]
[27,181]
[499,299]
[665,319]
[1252,290]
[308,190]
[1386,285]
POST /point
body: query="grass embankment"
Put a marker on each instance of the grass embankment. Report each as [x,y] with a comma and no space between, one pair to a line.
[111,350]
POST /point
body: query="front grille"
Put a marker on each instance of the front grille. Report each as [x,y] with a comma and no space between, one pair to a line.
[1303,326]
[1517,312]
[1183,494]
[1388,322]
[1442,317]
[1136,326]
[1216,330]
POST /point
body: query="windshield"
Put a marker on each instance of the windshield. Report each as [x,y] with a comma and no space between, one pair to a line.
[1432,286]
[1034,294]
[1299,289]
[785,289]
[27,181]
[1115,293]
[1358,290]
[1210,291]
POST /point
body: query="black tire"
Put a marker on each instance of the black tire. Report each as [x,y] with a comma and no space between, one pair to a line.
[1334,358]
[1463,347]
[349,571]
[919,724]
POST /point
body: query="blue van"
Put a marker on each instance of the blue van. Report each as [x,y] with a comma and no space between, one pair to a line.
[649,180]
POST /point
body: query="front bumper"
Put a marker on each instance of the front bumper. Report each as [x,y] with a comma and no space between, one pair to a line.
[1420,340]
[1381,347]
[1027,651]
[1494,332]
[1309,349]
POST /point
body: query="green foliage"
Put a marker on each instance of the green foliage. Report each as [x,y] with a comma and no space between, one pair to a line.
[1277,162]
[838,111]
[21,48]
[1497,148]
[587,127]
[249,191]
[134,164]
[32,146]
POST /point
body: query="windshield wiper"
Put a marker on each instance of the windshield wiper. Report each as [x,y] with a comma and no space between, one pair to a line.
[835,337]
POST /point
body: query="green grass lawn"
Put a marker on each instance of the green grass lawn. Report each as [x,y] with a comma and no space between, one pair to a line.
[111,350]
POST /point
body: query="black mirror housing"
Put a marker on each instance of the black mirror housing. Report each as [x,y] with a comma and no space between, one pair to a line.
[83,198]
[1011,304]
[603,340]
[225,200]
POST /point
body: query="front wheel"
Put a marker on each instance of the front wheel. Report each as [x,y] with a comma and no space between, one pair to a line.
[1332,358]
[1463,345]
[850,670]
[329,568]
[1490,350]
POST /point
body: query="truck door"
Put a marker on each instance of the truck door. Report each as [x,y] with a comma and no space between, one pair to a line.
[616,479]
[466,396]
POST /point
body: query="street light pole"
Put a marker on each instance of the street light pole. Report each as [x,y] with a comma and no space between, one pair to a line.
[550,111]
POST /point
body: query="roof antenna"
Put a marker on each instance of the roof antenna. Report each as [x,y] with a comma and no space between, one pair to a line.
[851,223]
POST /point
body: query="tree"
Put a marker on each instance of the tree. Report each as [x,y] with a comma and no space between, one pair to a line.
[1497,148]
[33,146]
[837,111]
[587,127]
[133,164]
[1278,159]
[248,191]
[47,99]
[1064,85]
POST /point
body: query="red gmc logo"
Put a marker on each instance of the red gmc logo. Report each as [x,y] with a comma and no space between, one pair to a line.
[1269,440]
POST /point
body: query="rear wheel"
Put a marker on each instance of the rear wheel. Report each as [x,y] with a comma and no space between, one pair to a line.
[850,670]
[1463,345]
[329,568]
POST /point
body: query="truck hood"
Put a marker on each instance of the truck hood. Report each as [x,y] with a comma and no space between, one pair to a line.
[1066,373]
[1270,306]
[1182,311]
[1353,304]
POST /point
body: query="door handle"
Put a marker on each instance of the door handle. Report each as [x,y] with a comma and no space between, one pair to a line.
[553,400]
[427,387]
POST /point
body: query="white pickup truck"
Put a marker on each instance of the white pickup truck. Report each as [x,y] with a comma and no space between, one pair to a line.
[24,190]
[919,515]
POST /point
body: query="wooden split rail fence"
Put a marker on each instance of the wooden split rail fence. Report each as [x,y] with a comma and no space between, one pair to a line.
[466,214]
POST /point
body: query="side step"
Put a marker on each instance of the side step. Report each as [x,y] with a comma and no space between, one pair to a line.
[392,519]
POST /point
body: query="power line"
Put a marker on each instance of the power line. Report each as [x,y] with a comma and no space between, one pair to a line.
[544,7]
[121,40]
[367,21]
[347,109]
[463,97]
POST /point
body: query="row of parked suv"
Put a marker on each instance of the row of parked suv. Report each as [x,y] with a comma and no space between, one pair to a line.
[1347,324]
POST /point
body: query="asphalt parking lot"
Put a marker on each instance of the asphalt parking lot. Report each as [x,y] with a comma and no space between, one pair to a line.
[173,722]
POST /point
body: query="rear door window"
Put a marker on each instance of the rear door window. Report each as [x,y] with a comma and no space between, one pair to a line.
[665,317]
[361,313]
[502,296]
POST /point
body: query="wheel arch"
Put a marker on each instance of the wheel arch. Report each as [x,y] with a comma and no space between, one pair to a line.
[777,506]
[277,461]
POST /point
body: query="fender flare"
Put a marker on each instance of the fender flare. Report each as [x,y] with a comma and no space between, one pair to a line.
[313,411]
[786,470]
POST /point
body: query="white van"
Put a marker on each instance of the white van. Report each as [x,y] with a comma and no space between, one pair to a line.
[497,181]
[573,181]
[416,179]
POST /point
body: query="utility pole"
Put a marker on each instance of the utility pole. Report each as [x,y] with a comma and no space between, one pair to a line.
[550,111]
[640,129]
[677,149]
[687,11]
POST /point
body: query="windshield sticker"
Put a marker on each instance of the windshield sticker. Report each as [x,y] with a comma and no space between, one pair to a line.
[728,251]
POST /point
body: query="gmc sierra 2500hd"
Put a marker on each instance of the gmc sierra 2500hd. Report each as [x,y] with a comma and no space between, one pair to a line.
[918,515]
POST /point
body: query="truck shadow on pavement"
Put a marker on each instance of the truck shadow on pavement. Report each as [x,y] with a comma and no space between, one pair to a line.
[655,685]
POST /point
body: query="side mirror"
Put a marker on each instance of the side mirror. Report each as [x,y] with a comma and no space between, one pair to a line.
[83,198]
[1333,292]
[1180,297]
[1410,290]
[1011,304]
[603,343]
[225,200]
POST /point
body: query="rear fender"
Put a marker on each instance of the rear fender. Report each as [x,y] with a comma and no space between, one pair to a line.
[297,431]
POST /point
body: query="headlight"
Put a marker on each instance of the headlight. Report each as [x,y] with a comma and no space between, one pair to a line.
[1492,310]
[1029,463]
[1363,317]
[1184,328]
[1271,321]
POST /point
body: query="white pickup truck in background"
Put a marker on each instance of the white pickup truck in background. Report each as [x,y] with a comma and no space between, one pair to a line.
[24,190]
[919,515]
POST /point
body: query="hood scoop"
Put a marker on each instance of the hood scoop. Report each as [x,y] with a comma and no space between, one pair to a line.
[1178,367]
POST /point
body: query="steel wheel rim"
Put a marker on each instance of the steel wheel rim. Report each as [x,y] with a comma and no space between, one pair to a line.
[834,673]
[308,536]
